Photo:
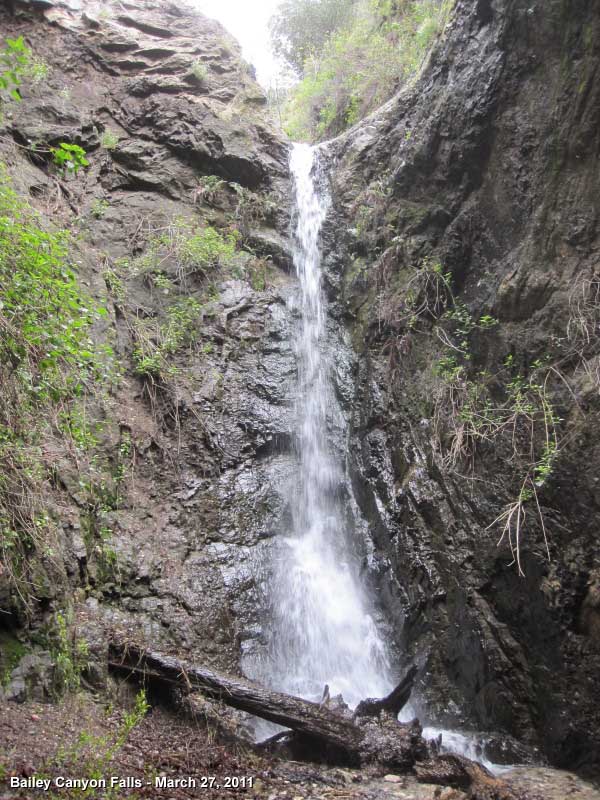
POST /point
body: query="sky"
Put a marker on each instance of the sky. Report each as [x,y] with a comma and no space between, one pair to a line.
[248,21]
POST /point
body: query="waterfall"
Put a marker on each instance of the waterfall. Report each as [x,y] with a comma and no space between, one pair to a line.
[321,631]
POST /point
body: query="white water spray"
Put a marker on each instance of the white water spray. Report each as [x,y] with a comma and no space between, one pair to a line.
[321,631]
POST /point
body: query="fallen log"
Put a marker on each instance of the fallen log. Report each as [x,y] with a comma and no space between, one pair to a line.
[314,721]
[461,773]
[371,737]
[393,703]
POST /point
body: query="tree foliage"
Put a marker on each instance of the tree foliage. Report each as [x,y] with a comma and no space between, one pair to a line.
[300,28]
[358,63]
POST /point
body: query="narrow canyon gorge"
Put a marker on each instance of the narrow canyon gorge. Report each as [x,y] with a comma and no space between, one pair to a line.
[324,416]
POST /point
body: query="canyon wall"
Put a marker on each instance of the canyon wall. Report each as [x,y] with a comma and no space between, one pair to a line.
[464,260]
[461,269]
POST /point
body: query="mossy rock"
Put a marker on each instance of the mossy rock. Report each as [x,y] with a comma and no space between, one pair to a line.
[12,651]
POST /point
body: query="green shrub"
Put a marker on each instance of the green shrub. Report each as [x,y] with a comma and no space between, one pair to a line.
[69,158]
[14,59]
[199,70]
[109,139]
[511,410]
[91,756]
[46,361]
[360,65]
[204,249]
[44,315]
[209,187]
[193,249]
[157,341]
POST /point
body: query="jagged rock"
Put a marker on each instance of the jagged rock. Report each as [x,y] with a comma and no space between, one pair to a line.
[267,242]
[476,170]
[31,679]
[118,72]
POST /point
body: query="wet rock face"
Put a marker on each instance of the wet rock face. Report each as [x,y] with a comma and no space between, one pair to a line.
[489,166]
[175,127]
[488,163]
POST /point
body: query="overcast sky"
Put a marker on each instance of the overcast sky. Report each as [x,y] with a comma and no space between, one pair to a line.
[248,21]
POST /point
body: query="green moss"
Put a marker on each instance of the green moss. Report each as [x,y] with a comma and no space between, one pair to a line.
[69,652]
[364,309]
[11,653]
[358,268]
[414,213]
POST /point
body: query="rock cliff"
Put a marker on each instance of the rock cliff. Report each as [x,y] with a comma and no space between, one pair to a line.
[463,258]
[461,266]
[179,141]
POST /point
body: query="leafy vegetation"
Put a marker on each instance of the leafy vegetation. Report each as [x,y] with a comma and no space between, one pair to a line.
[14,59]
[156,342]
[18,62]
[178,258]
[109,139]
[209,187]
[70,654]
[300,28]
[251,208]
[91,755]
[192,248]
[69,158]
[47,359]
[45,317]
[372,48]
[510,409]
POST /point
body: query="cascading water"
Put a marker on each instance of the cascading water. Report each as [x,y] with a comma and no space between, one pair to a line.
[320,631]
